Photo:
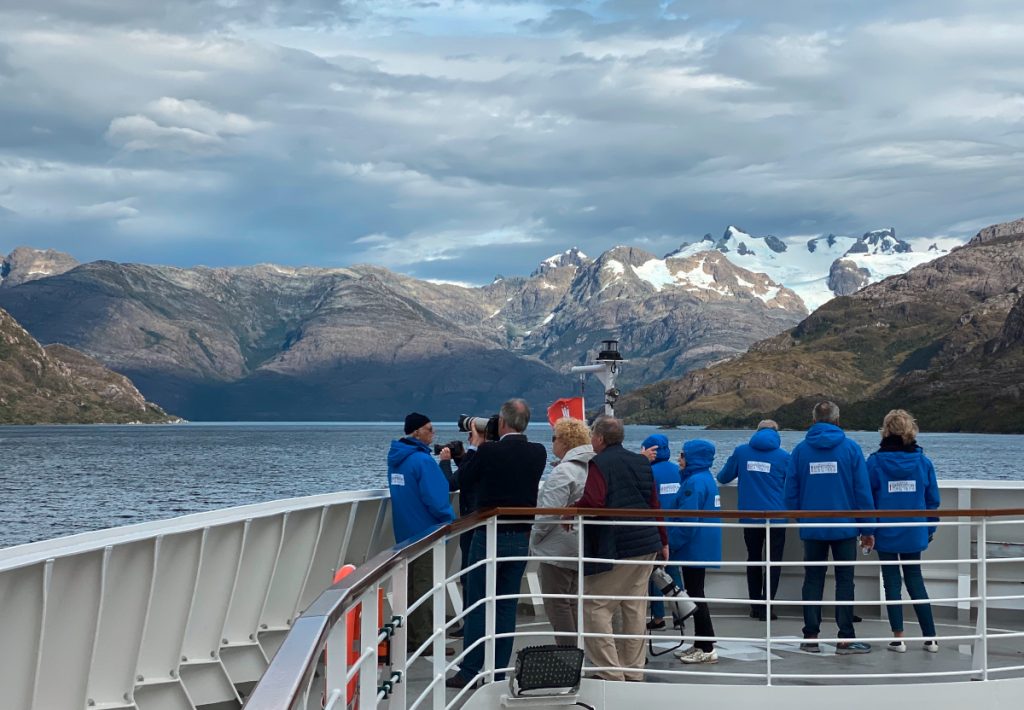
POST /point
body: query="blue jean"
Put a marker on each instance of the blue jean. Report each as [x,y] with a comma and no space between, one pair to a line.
[508,580]
[915,587]
[814,584]
[658,608]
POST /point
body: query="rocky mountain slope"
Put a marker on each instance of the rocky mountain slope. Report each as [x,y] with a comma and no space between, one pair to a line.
[26,264]
[272,343]
[943,340]
[57,384]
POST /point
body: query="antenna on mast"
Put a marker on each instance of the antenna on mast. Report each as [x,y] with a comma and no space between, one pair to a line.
[605,368]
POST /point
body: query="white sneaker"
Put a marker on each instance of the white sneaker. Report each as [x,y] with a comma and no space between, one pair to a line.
[699,656]
[680,652]
[897,646]
[931,646]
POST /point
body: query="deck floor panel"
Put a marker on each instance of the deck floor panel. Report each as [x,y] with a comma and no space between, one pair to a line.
[739,657]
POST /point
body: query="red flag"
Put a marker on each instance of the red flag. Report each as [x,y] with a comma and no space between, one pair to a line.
[566,407]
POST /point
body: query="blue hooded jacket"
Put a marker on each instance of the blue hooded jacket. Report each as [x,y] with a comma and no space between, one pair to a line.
[903,480]
[419,490]
[698,491]
[761,467]
[666,473]
[827,472]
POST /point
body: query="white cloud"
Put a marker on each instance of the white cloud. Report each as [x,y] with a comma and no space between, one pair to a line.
[441,246]
[118,210]
[187,126]
[190,113]
[497,131]
[143,133]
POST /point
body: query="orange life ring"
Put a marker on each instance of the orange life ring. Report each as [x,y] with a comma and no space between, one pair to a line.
[352,629]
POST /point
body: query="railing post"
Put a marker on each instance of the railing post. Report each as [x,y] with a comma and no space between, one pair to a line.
[368,642]
[337,661]
[490,587]
[767,599]
[983,594]
[578,521]
[397,645]
[438,598]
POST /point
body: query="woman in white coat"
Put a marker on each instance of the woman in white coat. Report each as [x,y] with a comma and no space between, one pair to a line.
[550,537]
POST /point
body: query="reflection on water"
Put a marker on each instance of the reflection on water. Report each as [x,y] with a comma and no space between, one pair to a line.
[63,480]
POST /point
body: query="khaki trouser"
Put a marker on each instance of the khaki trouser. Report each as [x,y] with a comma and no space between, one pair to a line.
[621,581]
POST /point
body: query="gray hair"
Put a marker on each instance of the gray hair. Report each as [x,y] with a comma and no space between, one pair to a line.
[609,429]
[767,424]
[516,414]
[826,412]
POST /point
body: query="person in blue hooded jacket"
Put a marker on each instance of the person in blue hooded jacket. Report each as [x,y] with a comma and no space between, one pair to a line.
[698,547]
[761,468]
[827,472]
[903,478]
[666,480]
[419,501]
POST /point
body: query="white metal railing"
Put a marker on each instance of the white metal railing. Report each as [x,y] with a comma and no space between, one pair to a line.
[349,657]
[188,611]
[175,613]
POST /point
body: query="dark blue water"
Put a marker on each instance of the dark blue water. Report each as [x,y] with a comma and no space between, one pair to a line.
[63,480]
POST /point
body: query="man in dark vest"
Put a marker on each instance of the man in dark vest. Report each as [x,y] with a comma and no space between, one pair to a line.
[618,478]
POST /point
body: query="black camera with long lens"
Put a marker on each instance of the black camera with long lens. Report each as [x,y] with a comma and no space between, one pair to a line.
[488,426]
[456,447]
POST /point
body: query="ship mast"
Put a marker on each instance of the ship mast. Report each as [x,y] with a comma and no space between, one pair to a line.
[605,368]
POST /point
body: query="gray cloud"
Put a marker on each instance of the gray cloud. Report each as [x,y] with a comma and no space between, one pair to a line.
[460,139]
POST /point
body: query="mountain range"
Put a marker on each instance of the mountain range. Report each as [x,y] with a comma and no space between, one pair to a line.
[273,342]
[944,340]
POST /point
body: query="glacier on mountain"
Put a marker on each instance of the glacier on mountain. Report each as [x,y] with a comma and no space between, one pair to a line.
[804,264]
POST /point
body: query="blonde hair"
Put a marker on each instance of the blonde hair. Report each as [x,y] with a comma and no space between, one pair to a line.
[767,424]
[899,422]
[572,432]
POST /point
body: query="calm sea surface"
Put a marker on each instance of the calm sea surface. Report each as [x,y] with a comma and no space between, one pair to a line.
[69,479]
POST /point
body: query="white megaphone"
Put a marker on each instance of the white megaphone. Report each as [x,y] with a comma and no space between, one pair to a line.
[681,604]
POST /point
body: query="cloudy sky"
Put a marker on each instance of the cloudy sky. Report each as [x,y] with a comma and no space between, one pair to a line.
[457,139]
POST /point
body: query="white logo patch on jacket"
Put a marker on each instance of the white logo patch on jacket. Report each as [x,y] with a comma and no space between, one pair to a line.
[824,467]
[902,486]
[666,489]
[718,502]
[397,479]
[759,466]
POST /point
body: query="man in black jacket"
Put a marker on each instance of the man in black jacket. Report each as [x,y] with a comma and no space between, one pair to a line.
[618,478]
[502,473]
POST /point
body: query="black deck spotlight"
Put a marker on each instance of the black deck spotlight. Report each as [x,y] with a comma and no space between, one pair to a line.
[552,672]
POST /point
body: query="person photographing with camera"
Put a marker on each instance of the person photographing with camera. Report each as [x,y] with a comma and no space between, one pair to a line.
[419,502]
[506,473]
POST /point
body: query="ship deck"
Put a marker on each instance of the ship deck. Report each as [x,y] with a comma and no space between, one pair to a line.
[748,657]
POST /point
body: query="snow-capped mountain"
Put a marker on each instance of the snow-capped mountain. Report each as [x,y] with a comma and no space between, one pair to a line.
[570,257]
[669,314]
[817,268]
